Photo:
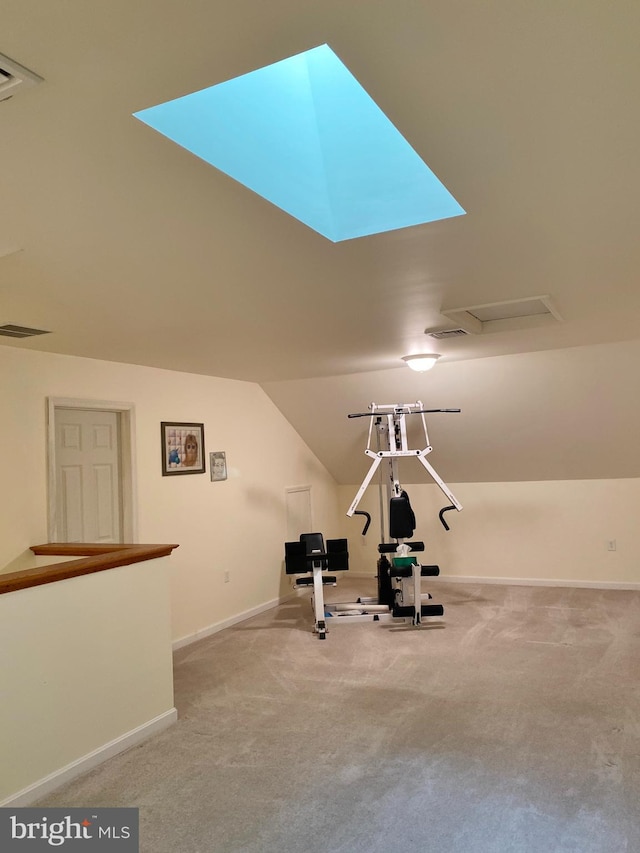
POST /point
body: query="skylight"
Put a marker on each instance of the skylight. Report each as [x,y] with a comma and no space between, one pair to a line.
[305,135]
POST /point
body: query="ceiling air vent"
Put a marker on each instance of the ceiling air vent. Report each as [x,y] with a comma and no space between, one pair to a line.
[13,77]
[443,334]
[11,331]
[512,315]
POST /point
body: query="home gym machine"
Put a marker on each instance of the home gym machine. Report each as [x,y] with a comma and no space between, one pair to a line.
[399,574]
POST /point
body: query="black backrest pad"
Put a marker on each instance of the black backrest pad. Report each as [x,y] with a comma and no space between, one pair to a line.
[402,521]
[314,542]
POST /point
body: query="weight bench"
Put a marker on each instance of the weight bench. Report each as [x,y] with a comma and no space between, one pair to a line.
[310,560]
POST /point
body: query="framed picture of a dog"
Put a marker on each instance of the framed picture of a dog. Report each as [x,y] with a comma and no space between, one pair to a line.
[182,448]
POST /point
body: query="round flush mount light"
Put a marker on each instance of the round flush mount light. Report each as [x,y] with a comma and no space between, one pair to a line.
[421,361]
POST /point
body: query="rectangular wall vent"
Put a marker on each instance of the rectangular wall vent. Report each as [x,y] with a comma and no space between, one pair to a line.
[13,77]
[447,333]
[9,330]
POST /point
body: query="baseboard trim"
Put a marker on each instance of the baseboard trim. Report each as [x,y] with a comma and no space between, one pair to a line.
[578,584]
[82,765]
[269,605]
[232,620]
[247,614]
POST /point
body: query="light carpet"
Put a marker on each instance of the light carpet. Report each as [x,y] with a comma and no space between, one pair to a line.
[512,724]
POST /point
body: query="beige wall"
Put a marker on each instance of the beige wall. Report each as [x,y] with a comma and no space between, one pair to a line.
[570,414]
[549,531]
[84,664]
[238,525]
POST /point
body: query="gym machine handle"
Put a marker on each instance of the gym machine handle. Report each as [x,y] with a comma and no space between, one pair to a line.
[367,523]
[441,515]
[417,412]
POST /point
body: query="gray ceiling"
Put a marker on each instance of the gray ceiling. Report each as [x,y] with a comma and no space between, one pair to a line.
[131,249]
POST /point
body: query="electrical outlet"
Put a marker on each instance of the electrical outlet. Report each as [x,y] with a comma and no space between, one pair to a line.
[611,545]
[227,577]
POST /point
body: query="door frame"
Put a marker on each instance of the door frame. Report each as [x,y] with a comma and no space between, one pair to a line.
[128,477]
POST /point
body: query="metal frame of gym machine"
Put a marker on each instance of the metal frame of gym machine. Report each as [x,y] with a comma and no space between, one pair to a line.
[400,593]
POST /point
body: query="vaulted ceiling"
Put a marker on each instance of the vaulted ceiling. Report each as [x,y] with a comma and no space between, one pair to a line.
[128,248]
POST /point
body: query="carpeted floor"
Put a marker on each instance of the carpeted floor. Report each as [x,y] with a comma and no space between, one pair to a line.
[513,724]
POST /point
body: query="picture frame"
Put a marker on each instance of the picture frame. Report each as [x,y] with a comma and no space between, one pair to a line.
[218,465]
[182,448]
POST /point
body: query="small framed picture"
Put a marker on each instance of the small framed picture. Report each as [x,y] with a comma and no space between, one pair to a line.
[218,465]
[182,448]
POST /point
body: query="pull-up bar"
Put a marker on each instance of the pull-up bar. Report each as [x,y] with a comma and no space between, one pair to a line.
[399,411]
[398,447]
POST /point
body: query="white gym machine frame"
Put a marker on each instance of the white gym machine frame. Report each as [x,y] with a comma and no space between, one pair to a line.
[389,418]
[395,414]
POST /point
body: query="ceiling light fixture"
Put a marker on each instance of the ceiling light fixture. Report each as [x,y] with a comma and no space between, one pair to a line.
[421,361]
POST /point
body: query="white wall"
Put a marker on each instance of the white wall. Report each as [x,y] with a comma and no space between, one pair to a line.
[550,531]
[238,525]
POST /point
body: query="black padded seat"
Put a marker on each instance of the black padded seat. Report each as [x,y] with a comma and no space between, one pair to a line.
[327,580]
[392,547]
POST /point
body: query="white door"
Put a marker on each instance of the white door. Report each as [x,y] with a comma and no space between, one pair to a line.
[298,502]
[88,480]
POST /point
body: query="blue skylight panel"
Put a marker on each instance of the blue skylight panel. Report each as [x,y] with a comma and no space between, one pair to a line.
[305,135]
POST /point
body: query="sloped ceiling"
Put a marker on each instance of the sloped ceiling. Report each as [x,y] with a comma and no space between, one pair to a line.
[133,250]
[551,415]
